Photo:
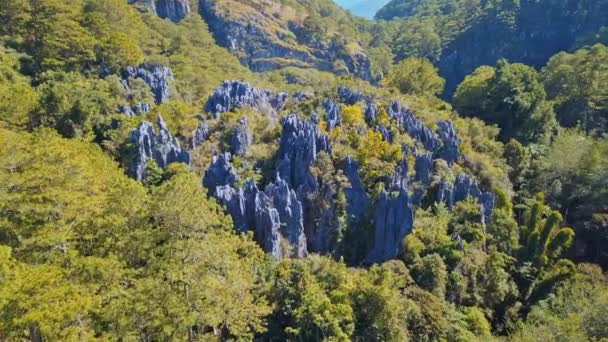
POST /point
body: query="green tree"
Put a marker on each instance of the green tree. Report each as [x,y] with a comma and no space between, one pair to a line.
[543,241]
[577,84]
[378,158]
[430,273]
[416,76]
[74,105]
[17,97]
[511,97]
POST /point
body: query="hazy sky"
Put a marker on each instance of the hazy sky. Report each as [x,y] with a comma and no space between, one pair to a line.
[364,8]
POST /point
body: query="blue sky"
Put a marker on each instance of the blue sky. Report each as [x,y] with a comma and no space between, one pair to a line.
[364,8]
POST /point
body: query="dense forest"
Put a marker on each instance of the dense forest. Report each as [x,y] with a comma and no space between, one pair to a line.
[283,170]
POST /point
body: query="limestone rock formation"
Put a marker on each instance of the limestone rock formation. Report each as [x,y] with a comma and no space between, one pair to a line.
[233,95]
[414,127]
[200,134]
[220,173]
[163,148]
[266,36]
[463,187]
[334,118]
[174,10]
[300,143]
[394,218]
[274,215]
[139,109]
[157,77]
[242,138]
[357,199]
[449,137]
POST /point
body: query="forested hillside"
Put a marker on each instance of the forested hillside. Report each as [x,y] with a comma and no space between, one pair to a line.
[175,170]
[462,35]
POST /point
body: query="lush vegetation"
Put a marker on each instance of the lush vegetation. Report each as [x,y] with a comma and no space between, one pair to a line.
[87,253]
[461,35]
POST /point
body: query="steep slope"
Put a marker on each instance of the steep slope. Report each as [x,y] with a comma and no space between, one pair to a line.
[270,34]
[475,33]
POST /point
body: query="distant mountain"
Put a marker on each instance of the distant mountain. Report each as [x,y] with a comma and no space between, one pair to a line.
[363,8]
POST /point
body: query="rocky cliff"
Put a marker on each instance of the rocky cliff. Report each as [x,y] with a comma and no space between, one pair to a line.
[160,147]
[286,216]
[269,35]
[174,10]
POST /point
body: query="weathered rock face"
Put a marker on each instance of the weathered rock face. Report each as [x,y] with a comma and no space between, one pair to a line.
[174,10]
[139,109]
[200,134]
[300,96]
[449,137]
[287,216]
[265,37]
[463,187]
[394,218]
[424,167]
[300,143]
[386,133]
[242,138]
[414,127]
[445,144]
[357,199]
[371,112]
[163,148]
[240,204]
[232,95]
[290,212]
[157,77]
[334,118]
[275,215]
[349,96]
[220,173]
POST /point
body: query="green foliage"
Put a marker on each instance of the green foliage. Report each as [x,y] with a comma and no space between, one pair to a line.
[577,84]
[578,186]
[17,98]
[543,241]
[416,76]
[378,158]
[74,105]
[511,97]
[430,273]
